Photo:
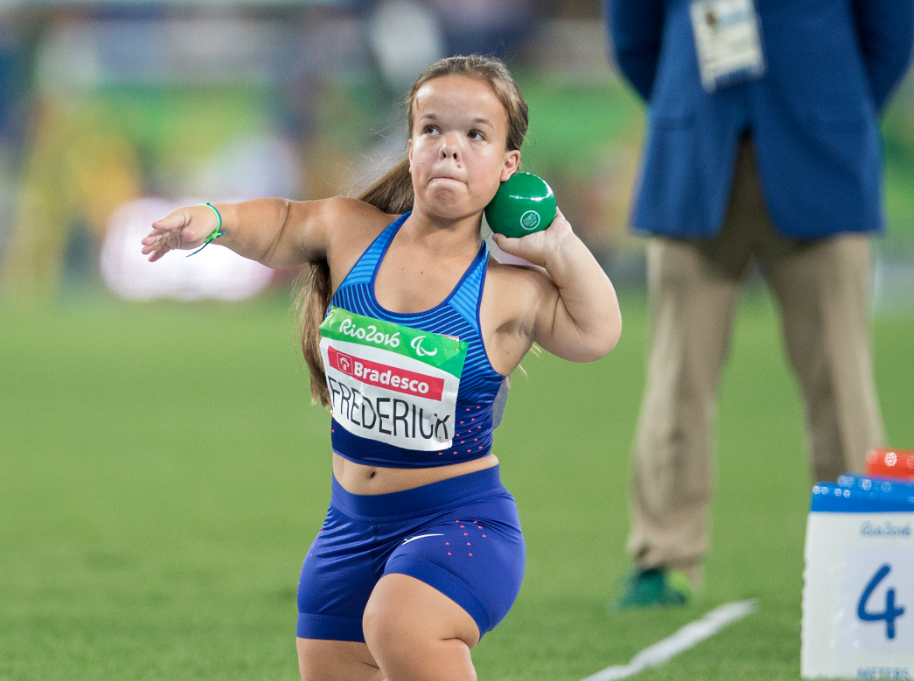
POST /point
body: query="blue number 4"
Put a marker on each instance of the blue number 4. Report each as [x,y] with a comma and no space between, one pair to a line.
[890,614]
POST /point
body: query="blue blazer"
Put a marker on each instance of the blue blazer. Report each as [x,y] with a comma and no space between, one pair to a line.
[813,116]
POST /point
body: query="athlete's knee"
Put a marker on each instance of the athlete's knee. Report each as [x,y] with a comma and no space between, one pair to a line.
[405,656]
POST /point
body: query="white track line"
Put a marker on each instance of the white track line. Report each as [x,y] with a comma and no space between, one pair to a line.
[689,636]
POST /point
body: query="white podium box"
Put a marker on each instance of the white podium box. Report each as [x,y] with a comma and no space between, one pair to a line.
[858,593]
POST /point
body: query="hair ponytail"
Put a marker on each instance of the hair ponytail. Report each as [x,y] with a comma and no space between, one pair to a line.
[393,194]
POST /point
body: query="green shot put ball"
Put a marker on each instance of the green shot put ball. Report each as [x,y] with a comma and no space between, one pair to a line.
[523,204]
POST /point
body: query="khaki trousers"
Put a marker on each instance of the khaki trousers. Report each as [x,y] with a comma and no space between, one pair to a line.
[822,288]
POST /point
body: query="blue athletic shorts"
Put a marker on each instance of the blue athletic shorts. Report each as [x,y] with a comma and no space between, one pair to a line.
[461,536]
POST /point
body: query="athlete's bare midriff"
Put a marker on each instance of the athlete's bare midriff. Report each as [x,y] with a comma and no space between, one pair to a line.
[358,478]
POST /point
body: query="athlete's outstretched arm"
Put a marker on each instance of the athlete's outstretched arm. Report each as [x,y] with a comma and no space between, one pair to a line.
[276,232]
[577,313]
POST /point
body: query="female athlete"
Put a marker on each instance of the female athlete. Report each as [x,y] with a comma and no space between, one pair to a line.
[410,329]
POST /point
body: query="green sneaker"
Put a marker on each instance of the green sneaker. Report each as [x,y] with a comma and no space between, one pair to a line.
[654,587]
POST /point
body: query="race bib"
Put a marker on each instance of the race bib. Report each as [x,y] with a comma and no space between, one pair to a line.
[727,40]
[392,383]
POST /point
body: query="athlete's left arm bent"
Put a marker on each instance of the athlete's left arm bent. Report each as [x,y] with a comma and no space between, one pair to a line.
[576,313]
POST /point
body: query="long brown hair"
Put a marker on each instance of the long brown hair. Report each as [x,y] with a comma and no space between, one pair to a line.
[393,194]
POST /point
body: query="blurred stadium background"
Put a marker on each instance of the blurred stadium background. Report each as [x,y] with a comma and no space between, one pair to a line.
[105,106]
[112,111]
[161,472]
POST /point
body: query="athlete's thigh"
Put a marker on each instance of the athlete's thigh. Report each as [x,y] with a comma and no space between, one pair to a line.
[416,632]
[320,660]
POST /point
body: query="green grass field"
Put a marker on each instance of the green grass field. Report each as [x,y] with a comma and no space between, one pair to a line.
[162,474]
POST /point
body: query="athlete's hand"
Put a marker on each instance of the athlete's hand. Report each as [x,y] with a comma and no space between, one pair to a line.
[539,247]
[184,228]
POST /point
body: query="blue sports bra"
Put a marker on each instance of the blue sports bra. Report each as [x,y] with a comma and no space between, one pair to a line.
[408,390]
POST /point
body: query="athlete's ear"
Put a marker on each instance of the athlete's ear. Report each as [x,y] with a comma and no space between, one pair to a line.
[512,163]
[409,147]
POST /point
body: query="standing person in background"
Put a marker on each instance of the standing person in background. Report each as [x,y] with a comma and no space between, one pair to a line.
[763,142]
[409,332]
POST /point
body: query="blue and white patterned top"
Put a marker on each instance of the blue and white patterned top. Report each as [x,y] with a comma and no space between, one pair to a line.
[458,316]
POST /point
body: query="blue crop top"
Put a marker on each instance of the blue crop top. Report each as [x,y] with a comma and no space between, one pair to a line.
[390,408]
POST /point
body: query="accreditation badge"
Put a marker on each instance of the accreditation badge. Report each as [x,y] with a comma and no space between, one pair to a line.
[392,383]
[728,42]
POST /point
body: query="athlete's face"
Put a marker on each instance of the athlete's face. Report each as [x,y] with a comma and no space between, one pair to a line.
[457,150]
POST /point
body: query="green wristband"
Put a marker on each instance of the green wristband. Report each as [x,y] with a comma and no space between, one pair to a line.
[215,234]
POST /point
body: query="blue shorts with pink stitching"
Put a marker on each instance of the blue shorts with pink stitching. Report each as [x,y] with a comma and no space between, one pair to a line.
[461,536]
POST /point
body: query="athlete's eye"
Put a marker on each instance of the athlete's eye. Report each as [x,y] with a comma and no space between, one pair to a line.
[476,136]
[430,130]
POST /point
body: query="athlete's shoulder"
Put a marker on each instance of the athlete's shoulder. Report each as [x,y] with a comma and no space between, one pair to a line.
[352,226]
[343,213]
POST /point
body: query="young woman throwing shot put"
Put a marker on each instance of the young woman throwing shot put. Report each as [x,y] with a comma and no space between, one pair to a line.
[409,330]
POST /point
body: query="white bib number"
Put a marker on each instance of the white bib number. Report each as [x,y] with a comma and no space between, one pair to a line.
[392,383]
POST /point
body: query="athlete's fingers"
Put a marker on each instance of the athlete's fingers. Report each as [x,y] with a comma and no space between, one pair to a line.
[177,230]
[152,240]
[157,245]
[536,247]
[175,220]
[530,247]
[175,239]
[157,250]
